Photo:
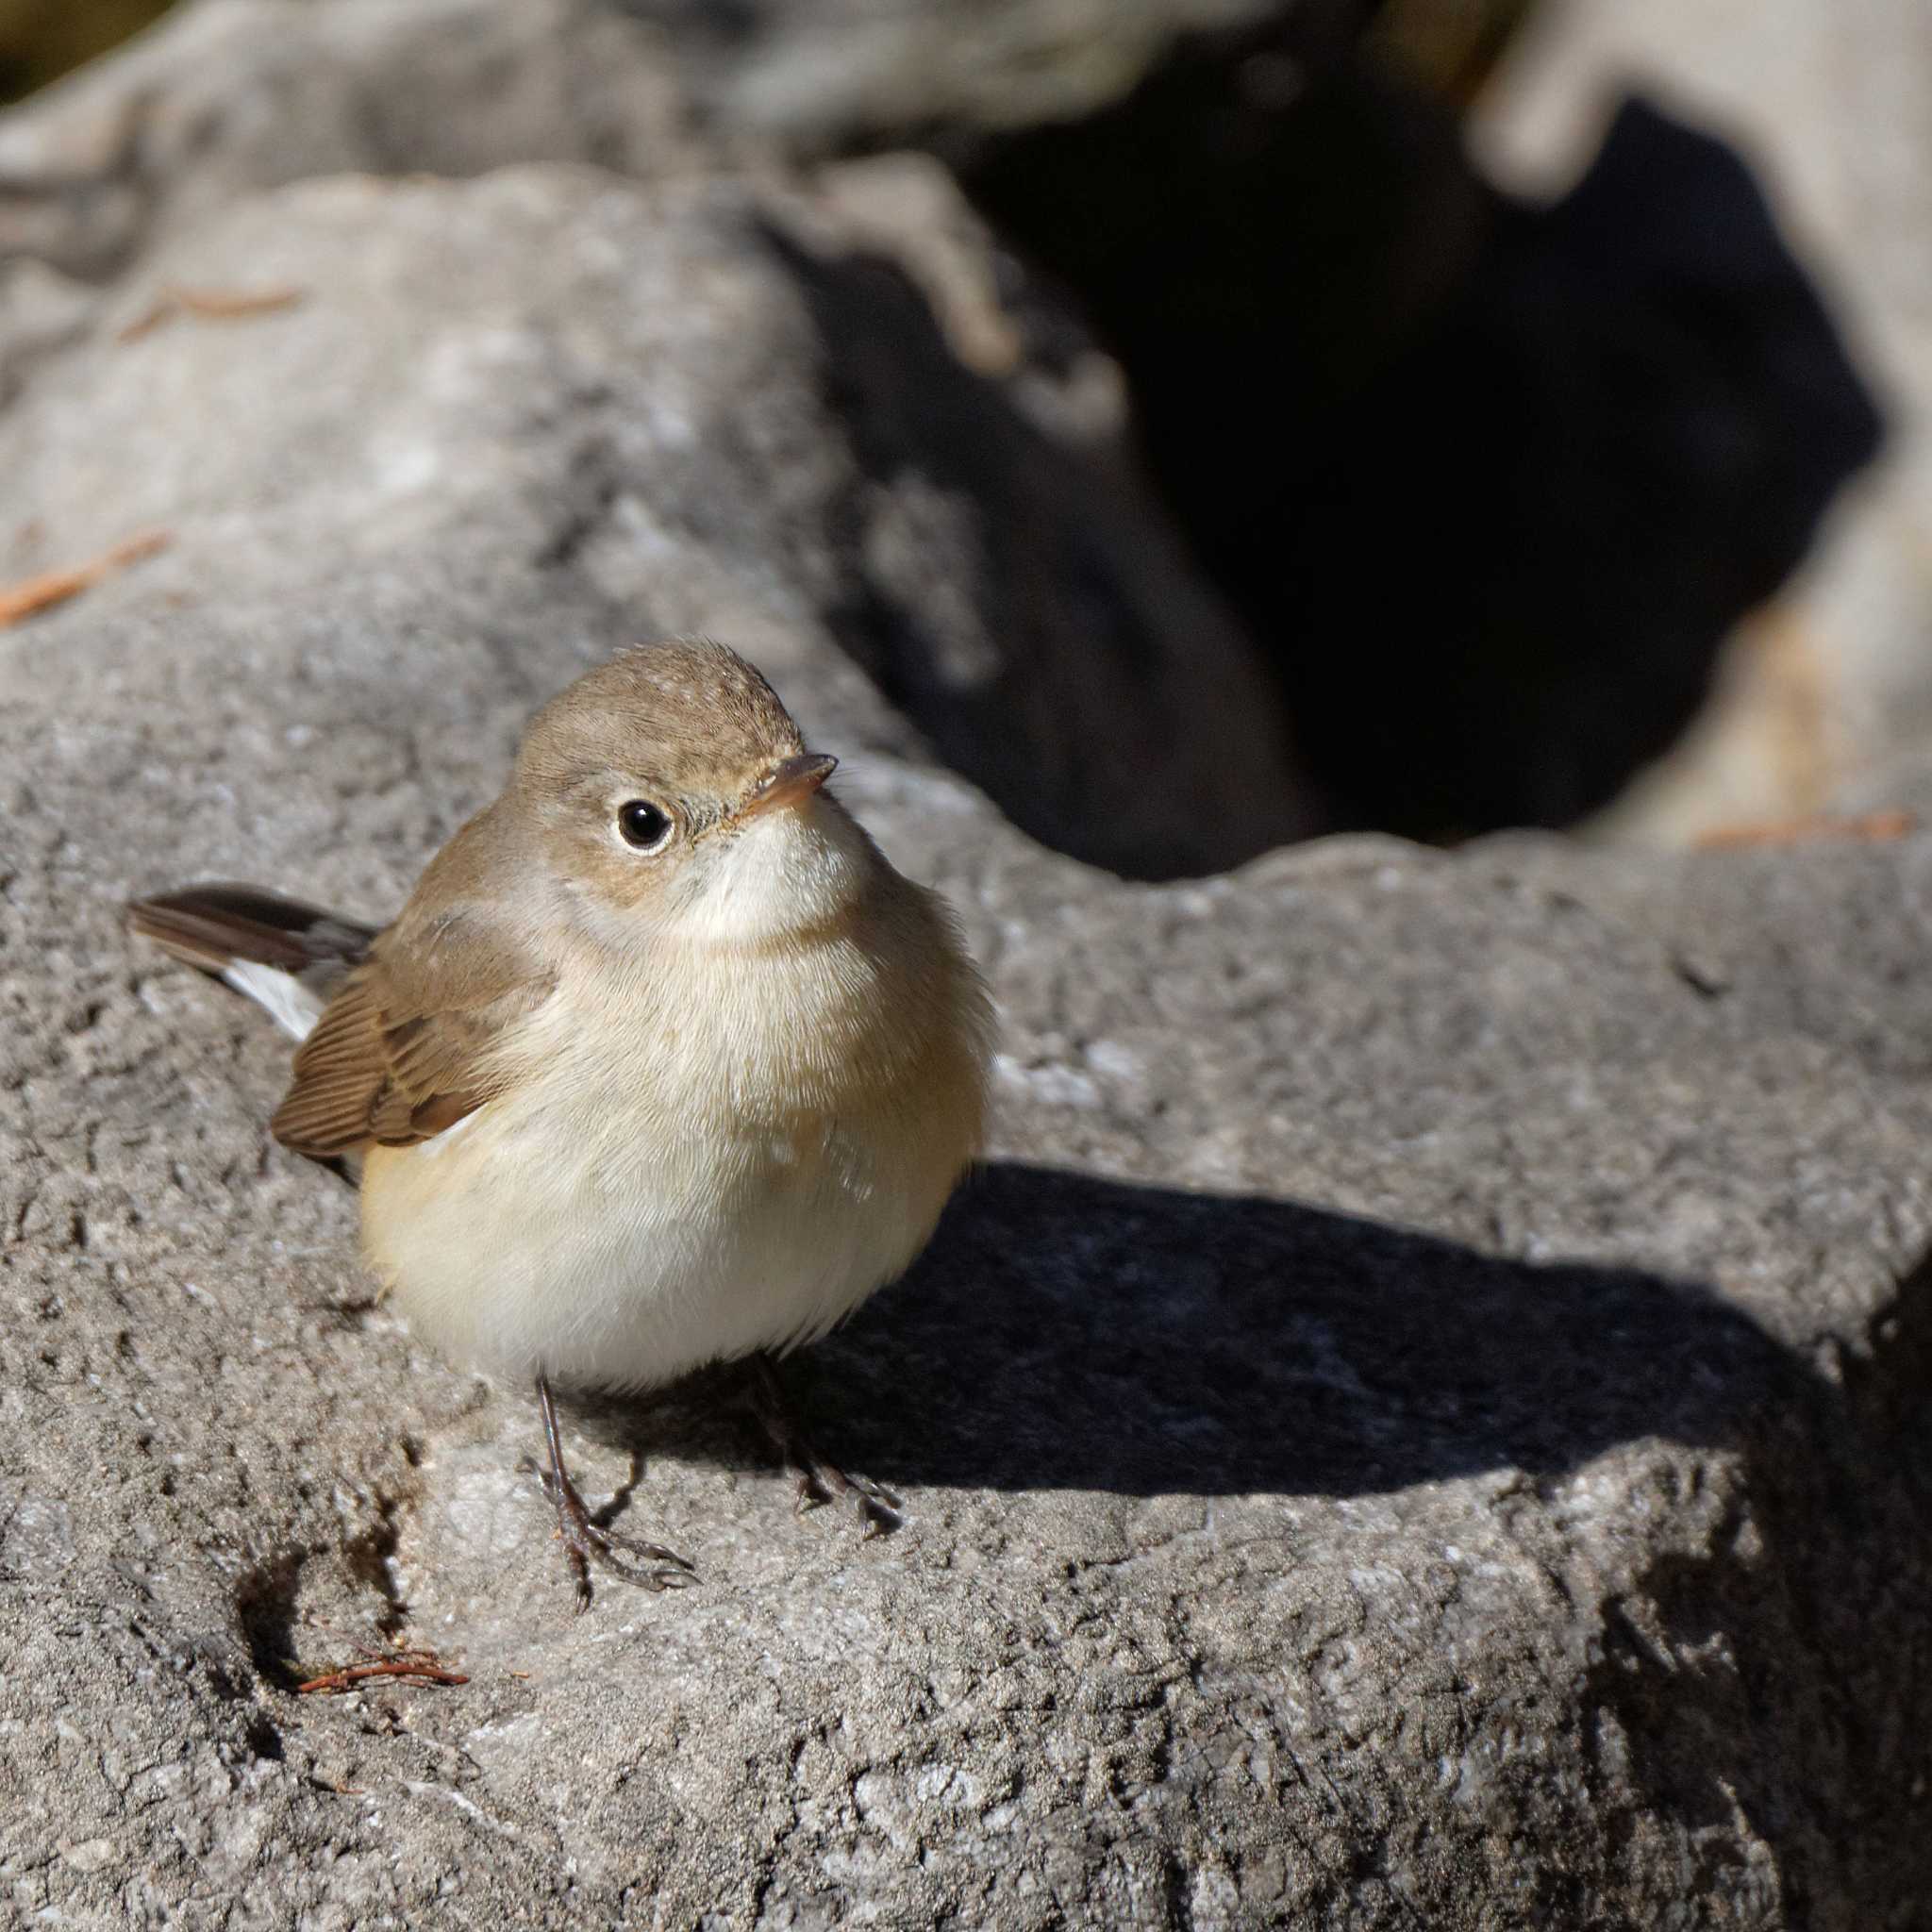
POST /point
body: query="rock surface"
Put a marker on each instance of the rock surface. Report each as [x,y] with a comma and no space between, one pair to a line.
[229,97]
[226,97]
[826,76]
[1338,338]
[1422,1422]
[1834,685]
[704,406]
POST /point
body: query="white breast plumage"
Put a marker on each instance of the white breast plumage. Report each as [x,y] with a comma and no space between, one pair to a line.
[739,1174]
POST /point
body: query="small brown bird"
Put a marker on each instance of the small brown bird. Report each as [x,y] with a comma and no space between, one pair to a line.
[662,1064]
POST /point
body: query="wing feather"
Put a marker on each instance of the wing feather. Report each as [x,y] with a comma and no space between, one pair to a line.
[402,1052]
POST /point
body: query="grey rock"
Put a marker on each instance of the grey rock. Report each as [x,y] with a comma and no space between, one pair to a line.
[1422,1420]
[824,76]
[40,309]
[225,97]
[704,406]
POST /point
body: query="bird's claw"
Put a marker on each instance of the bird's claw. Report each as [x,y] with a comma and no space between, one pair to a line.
[816,1483]
[587,1542]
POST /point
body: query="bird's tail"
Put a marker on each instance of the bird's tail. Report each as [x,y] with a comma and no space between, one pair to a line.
[285,955]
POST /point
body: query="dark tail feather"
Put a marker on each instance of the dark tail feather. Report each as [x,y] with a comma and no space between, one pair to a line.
[213,926]
[282,954]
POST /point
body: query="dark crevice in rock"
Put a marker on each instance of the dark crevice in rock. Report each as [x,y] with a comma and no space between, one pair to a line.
[269,1598]
[1052,688]
[370,1555]
[264,1737]
[1488,481]
[576,531]
[265,1599]
[592,486]
[1701,979]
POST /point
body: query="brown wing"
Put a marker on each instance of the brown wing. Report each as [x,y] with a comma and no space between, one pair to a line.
[401,1052]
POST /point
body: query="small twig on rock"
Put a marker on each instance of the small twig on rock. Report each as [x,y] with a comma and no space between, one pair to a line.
[1872,826]
[210,305]
[32,594]
[418,1666]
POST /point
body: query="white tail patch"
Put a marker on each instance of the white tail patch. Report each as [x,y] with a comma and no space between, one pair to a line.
[281,996]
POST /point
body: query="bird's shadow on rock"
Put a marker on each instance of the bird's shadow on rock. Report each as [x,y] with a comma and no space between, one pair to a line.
[1065,1331]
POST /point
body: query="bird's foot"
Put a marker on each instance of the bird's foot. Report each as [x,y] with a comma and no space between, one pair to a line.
[585,1541]
[816,1482]
[816,1479]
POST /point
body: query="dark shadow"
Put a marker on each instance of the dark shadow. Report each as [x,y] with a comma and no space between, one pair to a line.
[1009,598]
[265,1597]
[1067,1332]
[39,44]
[1490,481]
[1812,1592]
[1487,482]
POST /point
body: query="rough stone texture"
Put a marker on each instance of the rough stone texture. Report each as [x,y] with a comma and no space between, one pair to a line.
[1834,107]
[225,97]
[1421,1424]
[228,96]
[704,406]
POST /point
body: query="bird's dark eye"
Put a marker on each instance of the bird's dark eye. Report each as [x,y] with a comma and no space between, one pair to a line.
[644,825]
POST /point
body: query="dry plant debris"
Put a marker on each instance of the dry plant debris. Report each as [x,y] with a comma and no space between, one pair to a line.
[1872,826]
[415,1666]
[210,305]
[31,596]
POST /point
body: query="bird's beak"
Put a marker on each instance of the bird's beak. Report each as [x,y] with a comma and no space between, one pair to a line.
[790,782]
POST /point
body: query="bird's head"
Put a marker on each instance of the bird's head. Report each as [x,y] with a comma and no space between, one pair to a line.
[673,794]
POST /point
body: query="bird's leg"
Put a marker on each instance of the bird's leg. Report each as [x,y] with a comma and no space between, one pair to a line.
[584,1539]
[815,1480]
